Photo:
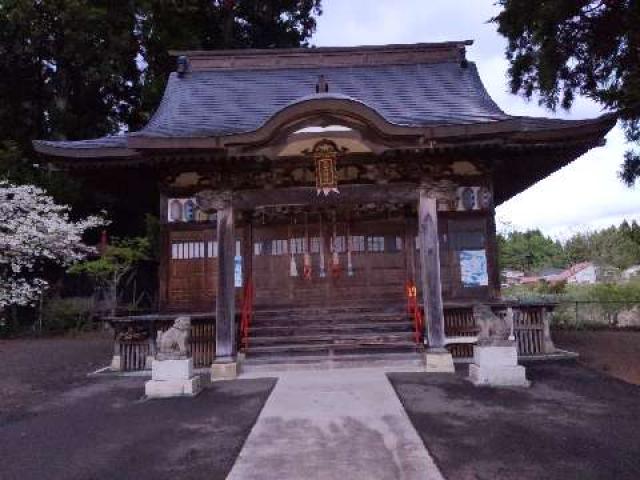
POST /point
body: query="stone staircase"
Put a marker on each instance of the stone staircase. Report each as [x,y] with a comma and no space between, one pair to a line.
[345,335]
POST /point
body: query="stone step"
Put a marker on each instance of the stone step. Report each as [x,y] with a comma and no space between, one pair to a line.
[336,319]
[313,362]
[330,349]
[309,312]
[332,338]
[337,328]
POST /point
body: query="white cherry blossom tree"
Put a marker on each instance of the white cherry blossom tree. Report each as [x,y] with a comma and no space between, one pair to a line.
[35,232]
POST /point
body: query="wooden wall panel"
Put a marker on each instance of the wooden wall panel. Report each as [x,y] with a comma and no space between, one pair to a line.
[377,275]
[192,271]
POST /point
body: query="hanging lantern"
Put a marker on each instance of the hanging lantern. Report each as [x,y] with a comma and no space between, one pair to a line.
[325,154]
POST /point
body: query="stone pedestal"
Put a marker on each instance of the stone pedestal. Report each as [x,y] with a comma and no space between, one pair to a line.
[116,363]
[224,370]
[172,378]
[497,366]
[148,364]
[438,361]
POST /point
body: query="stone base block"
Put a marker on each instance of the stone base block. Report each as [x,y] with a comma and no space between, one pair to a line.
[116,363]
[495,356]
[440,361]
[497,365]
[504,376]
[224,370]
[172,370]
[173,388]
[172,378]
[148,363]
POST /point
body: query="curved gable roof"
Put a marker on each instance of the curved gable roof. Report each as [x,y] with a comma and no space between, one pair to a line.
[408,93]
[228,102]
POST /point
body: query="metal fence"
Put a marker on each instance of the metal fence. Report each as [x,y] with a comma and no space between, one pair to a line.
[597,314]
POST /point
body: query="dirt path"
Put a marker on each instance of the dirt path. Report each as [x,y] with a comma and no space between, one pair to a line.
[334,424]
[34,368]
[616,353]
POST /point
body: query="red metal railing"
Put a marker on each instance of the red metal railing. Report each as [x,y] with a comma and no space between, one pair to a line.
[246,314]
[414,311]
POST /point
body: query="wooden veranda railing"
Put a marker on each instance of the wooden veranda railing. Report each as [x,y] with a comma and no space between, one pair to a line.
[135,339]
[461,330]
[134,354]
[459,324]
[529,328]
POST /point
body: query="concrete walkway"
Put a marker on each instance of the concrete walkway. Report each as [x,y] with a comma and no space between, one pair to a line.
[334,424]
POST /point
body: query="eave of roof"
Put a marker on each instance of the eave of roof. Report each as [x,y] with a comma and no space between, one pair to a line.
[421,97]
[513,131]
[286,58]
[105,147]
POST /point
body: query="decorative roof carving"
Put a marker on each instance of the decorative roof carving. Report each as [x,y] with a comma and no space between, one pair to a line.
[322,86]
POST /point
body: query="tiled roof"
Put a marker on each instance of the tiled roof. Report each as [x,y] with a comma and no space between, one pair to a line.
[421,86]
[110,141]
[109,146]
[225,102]
[558,277]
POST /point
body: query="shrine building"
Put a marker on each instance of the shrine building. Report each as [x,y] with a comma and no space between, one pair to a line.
[329,202]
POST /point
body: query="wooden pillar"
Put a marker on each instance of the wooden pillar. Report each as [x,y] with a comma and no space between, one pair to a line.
[225,364]
[225,298]
[247,250]
[437,357]
[492,256]
[430,269]
[165,254]
[410,247]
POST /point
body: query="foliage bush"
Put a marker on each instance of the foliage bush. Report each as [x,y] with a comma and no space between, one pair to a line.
[582,306]
[117,262]
[548,288]
[68,314]
[532,251]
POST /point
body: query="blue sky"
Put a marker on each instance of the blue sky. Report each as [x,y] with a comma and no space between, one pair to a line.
[585,195]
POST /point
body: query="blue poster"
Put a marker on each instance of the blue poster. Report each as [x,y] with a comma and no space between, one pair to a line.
[473,268]
[237,277]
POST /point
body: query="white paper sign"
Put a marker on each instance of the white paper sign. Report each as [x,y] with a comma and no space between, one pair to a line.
[473,268]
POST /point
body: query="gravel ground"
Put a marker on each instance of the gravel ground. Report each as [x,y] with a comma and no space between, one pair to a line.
[616,353]
[573,423]
[59,424]
[33,369]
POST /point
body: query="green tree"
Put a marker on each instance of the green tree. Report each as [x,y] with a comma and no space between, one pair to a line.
[578,248]
[529,251]
[118,261]
[563,48]
[613,246]
[67,68]
[67,71]
[634,232]
[77,69]
[215,25]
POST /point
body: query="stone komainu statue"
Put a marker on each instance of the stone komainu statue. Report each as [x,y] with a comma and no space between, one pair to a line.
[174,343]
[496,330]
